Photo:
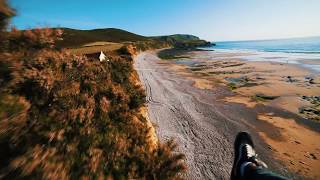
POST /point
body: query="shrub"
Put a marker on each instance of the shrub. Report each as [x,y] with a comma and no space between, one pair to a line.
[64,116]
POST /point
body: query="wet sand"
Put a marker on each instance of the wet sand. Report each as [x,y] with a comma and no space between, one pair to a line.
[193,109]
[293,131]
[298,146]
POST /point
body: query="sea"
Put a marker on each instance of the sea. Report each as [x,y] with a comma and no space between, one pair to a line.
[301,51]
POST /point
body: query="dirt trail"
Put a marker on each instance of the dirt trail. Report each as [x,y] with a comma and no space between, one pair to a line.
[202,125]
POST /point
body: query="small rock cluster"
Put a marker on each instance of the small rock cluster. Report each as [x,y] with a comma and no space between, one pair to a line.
[312,112]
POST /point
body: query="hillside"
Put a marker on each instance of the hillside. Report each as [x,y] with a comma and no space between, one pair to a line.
[177,37]
[183,41]
[73,38]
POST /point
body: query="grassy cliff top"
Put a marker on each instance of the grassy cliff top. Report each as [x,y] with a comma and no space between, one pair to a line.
[75,37]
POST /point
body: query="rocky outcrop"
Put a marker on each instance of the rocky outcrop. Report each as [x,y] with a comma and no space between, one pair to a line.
[184,41]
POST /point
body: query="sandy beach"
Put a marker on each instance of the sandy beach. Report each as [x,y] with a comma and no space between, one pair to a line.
[286,88]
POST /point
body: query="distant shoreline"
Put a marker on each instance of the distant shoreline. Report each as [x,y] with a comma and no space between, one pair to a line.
[310,61]
[271,39]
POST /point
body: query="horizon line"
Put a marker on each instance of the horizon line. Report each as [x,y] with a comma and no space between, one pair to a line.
[241,40]
[270,39]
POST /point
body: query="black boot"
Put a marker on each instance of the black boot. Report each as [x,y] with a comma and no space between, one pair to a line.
[244,153]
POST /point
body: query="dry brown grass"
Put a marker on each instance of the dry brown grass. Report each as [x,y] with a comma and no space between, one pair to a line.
[96,47]
[100,43]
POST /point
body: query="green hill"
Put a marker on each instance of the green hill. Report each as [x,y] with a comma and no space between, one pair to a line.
[184,41]
[177,37]
[74,37]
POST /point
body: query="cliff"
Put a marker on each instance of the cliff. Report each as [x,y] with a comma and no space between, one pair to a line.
[184,41]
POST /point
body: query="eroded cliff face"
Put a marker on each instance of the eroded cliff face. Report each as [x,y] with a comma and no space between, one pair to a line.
[134,78]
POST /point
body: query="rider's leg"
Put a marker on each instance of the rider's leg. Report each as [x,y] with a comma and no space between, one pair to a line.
[251,171]
[246,164]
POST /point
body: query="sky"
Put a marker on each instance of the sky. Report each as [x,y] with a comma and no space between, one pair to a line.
[214,20]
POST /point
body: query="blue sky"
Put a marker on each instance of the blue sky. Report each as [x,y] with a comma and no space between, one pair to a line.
[215,20]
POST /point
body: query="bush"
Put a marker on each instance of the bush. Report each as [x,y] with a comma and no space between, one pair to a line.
[64,116]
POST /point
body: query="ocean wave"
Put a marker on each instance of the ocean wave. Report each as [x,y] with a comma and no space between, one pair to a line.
[293,51]
[309,45]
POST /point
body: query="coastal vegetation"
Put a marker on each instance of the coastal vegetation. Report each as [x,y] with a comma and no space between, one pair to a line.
[67,116]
